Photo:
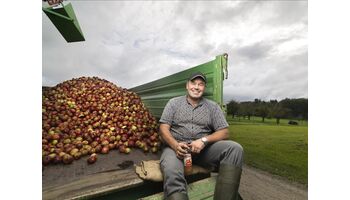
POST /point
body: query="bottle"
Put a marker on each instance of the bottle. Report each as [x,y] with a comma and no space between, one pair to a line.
[188,163]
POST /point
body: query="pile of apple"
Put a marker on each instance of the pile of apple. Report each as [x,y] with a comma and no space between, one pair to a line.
[88,116]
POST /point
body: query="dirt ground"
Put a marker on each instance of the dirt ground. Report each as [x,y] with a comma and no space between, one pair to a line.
[260,185]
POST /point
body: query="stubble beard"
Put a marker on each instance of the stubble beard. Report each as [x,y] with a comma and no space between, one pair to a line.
[194,96]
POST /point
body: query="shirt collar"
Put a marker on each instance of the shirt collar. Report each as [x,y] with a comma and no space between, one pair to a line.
[200,103]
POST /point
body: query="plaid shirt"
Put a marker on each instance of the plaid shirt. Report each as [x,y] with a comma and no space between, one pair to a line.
[189,123]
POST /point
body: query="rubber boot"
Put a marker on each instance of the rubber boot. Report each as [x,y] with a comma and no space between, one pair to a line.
[178,196]
[227,182]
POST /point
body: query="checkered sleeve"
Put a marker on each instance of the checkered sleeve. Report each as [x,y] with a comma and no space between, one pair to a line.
[168,113]
[218,119]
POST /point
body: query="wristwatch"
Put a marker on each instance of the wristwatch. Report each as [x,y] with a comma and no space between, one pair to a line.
[204,140]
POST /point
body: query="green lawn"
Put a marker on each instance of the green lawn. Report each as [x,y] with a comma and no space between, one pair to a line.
[279,149]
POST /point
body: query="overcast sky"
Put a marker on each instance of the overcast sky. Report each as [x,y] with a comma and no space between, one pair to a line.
[132,43]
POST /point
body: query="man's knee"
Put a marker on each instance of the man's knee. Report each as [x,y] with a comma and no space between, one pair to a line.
[234,154]
[169,161]
[238,148]
[232,146]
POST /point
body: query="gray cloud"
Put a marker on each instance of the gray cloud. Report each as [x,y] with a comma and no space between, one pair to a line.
[286,12]
[255,51]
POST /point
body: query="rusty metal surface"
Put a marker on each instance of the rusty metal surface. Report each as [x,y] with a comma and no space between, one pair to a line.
[62,174]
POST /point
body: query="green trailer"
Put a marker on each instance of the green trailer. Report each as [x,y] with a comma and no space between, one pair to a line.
[120,181]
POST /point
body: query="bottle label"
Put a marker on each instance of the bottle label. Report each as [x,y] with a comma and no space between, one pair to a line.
[188,161]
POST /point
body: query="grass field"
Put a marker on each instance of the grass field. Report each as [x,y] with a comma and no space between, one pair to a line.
[279,149]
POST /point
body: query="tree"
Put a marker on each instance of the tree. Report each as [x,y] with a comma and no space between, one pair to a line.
[241,111]
[298,107]
[286,108]
[263,110]
[278,112]
[232,108]
[257,101]
[246,109]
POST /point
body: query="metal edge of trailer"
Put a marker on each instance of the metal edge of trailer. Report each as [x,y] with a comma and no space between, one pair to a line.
[198,190]
[157,93]
[66,22]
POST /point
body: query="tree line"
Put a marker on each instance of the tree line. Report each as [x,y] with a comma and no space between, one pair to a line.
[287,108]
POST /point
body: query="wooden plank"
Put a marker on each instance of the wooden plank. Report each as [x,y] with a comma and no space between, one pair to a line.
[94,185]
[203,189]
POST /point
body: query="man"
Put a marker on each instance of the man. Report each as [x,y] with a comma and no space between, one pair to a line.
[200,121]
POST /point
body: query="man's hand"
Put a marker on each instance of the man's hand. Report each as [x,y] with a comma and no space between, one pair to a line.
[181,149]
[197,146]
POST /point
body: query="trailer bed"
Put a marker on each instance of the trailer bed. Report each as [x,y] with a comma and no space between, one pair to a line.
[111,173]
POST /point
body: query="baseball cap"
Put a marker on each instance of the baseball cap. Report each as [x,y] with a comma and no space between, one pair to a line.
[196,75]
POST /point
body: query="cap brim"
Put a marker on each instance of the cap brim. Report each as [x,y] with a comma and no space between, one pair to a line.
[198,76]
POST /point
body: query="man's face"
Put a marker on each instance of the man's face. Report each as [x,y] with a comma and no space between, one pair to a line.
[195,88]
